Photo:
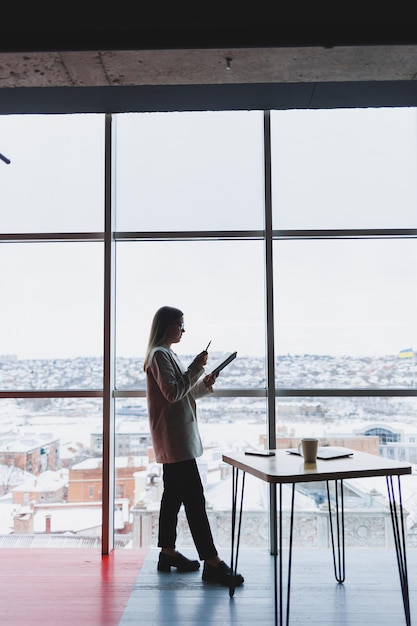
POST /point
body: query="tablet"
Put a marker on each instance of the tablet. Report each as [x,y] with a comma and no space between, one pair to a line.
[222,363]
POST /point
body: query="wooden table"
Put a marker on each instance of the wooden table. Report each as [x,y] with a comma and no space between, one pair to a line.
[284,468]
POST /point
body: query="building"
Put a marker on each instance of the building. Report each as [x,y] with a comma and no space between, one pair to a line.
[127,441]
[396,441]
[49,486]
[30,454]
[85,479]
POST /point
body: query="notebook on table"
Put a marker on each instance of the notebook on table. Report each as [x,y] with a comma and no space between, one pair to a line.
[327,452]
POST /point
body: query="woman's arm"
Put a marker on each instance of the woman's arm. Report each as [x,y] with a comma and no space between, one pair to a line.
[172,382]
[204,386]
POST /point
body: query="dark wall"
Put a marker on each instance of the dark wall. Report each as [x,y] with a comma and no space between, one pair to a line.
[207,97]
[226,26]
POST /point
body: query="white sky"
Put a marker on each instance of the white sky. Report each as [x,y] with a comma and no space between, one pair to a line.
[331,169]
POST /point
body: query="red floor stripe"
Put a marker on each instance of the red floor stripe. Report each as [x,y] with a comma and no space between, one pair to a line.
[63,587]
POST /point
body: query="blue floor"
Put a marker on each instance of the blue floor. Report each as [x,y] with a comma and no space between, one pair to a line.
[370,595]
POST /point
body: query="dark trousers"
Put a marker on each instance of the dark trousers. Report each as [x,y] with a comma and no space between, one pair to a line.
[182,485]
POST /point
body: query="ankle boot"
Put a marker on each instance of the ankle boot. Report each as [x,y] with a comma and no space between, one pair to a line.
[166,561]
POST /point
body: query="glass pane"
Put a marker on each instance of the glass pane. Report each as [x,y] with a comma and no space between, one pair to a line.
[225,424]
[51,318]
[50,473]
[381,426]
[55,180]
[352,168]
[218,284]
[188,171]
[233,319]
[345,313]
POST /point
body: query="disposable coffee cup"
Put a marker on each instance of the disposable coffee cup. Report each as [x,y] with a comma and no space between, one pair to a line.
[308,449]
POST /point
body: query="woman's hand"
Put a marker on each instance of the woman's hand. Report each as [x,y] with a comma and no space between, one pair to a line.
[209,381]
[200,360]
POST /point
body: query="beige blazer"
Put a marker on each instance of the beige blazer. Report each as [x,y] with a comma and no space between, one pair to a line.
[172,391]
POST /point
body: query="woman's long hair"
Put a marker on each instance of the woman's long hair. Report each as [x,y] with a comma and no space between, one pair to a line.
[162,319]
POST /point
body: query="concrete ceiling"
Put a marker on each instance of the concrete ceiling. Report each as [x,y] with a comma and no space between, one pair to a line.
[174,46]
[169,56]
[228,66]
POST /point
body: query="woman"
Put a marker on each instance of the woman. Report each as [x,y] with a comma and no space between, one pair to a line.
[171,393]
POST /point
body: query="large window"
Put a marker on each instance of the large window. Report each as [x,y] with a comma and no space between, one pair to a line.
[190,221]
[51,330]
[314,264]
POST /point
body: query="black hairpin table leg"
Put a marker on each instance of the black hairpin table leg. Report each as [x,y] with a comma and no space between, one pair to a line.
[338,547]
[278,560]
[398,527]
[236,519]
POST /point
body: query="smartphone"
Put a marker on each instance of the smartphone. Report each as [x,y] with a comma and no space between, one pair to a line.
[260,452]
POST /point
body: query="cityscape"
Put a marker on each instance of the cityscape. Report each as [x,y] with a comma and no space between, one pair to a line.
[301,371]
[51,446]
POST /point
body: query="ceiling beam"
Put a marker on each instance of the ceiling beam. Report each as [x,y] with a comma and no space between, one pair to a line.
[229,66]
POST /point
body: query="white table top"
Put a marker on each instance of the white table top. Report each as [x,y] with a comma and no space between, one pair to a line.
[290,468]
